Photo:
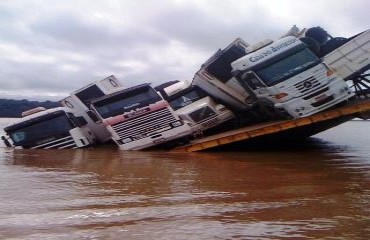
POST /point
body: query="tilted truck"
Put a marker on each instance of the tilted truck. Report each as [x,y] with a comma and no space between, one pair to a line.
[290,76]
[42,128]
[215,76]
[79,102]
[139,118]
[195,106]
[275,79]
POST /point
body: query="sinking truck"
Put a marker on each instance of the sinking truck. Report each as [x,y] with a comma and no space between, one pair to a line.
[79,102]
[194,106]
[272,79]
[41,128]
[139,118]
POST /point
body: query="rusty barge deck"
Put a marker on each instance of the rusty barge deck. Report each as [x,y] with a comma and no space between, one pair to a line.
[296,128]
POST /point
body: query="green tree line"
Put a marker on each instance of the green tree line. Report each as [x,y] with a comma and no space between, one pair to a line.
[13,108]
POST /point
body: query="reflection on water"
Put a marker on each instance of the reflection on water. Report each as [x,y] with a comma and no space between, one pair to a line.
[317,190]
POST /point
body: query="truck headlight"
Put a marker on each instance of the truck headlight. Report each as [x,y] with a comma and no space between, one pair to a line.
[329,72]
[281,95]
[176,124]
[345,89]
[222,109]
[126,140]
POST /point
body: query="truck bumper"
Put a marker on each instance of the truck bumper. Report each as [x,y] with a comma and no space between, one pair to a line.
[162,137]
[337,92]
[213,122]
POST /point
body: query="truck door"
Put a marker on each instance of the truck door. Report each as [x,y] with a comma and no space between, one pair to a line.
[254,85]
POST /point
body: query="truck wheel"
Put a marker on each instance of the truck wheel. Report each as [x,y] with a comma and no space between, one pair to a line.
[318,34]
[266,111]
[312,44]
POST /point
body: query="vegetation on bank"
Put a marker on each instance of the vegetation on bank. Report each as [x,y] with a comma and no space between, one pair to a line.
[13,108]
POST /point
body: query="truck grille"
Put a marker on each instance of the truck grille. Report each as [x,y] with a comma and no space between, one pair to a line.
[307,84]
[143,126]
[65,142]
[307,97]
[202,114]
[210,123]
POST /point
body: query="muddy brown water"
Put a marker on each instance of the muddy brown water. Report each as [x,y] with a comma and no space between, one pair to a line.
[316,189]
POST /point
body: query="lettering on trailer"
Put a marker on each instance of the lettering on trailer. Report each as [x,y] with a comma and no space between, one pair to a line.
[273,49]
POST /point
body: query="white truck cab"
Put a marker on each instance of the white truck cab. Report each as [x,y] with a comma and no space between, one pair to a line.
[79,102]
[139,118]
[42,128]
[289,75]
[195,106]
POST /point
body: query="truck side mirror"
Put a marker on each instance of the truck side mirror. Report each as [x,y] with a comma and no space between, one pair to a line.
[6,141]
[80,121]
[93,116]
[236,72]
[252,81]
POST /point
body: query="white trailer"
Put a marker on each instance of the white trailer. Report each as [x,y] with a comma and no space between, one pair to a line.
[351,61]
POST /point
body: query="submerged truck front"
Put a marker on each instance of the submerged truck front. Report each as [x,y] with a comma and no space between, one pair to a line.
[52,128]
[138,118]
[195,106]
[79,102]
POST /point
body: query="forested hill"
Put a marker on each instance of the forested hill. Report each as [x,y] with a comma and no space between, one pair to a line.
[14,108]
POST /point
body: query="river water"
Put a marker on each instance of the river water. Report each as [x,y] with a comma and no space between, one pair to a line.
[316,189]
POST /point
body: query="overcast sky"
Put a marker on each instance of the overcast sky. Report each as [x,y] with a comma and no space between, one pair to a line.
[49,48]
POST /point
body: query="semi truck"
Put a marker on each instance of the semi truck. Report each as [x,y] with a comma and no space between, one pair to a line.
[291,77]
[139,118]
[79,102]
[41,128]
[195,106]
[275,79]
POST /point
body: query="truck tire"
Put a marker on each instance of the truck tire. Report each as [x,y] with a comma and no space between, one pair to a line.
[317,33]
[266,111]
[312,44]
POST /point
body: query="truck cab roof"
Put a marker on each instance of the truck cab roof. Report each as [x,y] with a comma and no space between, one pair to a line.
[266,53]
[36,117]
[176,88]
[120,93]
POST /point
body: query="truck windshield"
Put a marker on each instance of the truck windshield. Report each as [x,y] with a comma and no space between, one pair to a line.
[287,67]
[185,98]
[126,101]
[39,132]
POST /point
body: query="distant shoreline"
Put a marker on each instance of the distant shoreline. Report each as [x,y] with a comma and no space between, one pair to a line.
[11,108]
